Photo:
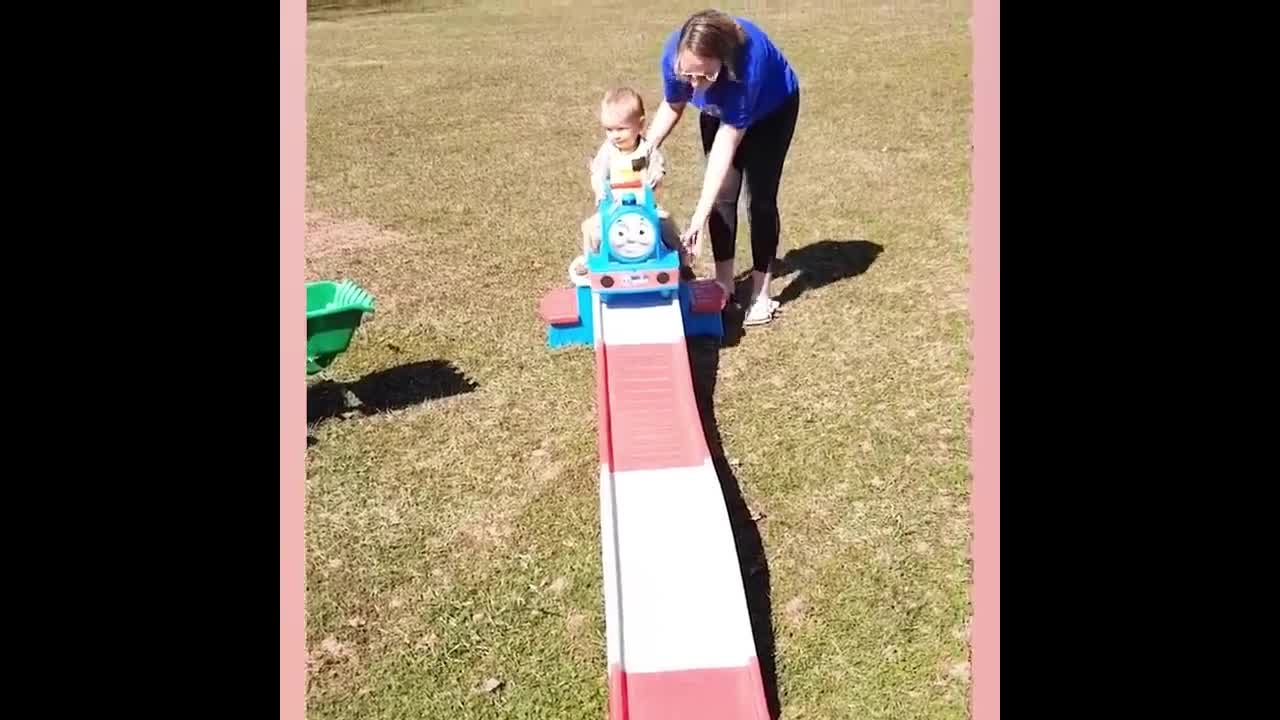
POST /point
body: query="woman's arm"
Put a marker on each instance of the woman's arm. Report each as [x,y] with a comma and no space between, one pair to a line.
[664,120]
[719,161]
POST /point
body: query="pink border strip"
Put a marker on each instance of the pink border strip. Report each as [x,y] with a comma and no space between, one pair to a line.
[985,292]
[293,124]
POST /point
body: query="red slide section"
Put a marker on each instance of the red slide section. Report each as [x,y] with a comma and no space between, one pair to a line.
[711,694]
[653,417]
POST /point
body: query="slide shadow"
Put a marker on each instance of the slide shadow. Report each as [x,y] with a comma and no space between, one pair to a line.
[704,361]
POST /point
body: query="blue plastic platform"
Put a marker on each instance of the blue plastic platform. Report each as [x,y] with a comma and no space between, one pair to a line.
[696,324]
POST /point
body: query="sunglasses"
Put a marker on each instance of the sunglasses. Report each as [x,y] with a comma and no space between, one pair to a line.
[690,77]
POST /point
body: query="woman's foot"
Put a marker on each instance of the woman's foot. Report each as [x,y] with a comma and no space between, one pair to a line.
[761,311]
[728,293]
[724,276]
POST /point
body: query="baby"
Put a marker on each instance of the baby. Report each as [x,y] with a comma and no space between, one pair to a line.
[624,155]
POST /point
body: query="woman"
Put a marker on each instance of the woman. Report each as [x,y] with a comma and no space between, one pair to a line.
[749,97]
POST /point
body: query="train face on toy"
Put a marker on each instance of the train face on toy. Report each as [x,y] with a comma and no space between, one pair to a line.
[632,258]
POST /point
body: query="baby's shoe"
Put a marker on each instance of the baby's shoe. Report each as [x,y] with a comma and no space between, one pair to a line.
[578,274]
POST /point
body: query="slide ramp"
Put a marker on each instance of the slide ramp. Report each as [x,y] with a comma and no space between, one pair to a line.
[679,638]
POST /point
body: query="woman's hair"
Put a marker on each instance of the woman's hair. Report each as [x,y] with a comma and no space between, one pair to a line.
[713,34]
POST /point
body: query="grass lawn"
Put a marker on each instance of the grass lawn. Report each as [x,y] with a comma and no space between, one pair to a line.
[453,555]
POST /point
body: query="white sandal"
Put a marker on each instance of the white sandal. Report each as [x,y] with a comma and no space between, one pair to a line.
[760,313]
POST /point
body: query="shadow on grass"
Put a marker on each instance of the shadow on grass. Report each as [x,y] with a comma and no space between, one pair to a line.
[815,265]
[704,362]
[823,263]
[385,390]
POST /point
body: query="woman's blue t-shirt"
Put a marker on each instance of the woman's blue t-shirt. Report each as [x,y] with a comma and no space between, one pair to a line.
[765,81]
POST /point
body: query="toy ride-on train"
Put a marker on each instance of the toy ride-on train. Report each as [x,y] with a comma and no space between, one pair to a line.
[633,257]
[633,265]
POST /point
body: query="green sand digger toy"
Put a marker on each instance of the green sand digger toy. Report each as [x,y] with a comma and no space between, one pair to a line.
[334,311]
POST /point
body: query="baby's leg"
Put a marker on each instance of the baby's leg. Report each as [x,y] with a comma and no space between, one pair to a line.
[591,234]
[590,243]
[670,233]
[671,236]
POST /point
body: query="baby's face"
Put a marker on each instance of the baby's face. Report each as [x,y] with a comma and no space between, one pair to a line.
[621,126]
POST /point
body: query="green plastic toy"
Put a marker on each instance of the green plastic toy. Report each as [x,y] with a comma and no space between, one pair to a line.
[334,311]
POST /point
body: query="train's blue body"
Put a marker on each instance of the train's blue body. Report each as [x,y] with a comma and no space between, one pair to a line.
[632,258]
[632,265]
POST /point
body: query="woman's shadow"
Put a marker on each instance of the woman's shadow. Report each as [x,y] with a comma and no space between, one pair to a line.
[823,263]
[814,265]
[704,362]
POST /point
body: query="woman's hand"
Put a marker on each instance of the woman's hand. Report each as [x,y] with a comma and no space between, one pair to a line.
[691,238]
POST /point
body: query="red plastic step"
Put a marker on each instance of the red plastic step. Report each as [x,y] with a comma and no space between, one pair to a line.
[559,307]
[707,296]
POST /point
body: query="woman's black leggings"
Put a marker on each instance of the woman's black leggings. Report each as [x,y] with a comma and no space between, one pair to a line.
[759,158]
